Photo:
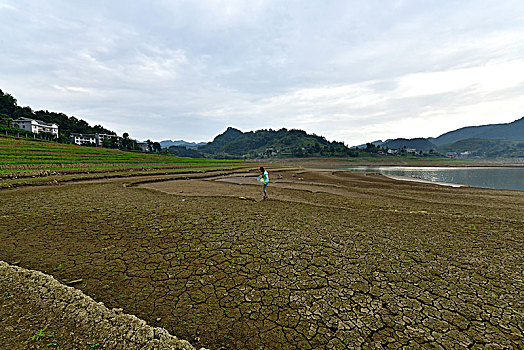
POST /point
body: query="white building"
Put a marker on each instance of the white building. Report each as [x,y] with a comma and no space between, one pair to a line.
[84,139]
[144,146]
[101,137]
[91,139]
[36,126]
[412,150]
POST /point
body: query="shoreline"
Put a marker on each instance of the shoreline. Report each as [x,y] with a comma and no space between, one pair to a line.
[500,178]
[419,180]
[442,162]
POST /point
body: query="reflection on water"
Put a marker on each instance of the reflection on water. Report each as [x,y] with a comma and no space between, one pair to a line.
[511,178]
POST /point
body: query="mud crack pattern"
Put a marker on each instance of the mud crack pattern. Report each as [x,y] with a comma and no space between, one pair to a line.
[367,263]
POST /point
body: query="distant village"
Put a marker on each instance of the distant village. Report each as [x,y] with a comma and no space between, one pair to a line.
[99,140]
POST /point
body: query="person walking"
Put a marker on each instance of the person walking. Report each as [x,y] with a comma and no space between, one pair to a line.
[264,179]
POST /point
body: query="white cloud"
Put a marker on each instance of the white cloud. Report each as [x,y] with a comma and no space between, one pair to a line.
[485,78]
[6,6]
[73,89]
[352,71]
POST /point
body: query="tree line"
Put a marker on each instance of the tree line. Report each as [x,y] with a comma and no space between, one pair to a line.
[67,125]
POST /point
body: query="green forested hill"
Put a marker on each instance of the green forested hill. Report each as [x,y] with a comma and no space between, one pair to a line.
[9,109]
[486,148]
[418,144]
[261,143]
[506,131]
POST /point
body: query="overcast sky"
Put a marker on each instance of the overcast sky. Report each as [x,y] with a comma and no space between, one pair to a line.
[352,71]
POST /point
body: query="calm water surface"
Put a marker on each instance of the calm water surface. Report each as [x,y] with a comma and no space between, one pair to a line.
[511,178]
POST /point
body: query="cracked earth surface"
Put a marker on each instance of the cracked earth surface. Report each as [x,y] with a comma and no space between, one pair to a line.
[333,260]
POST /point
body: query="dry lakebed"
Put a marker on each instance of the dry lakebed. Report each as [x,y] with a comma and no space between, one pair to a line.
[333,259]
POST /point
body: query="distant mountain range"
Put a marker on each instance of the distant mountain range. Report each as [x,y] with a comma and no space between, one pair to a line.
[420,144]
[486,148]
[486,141]
[169,143]
[507,131]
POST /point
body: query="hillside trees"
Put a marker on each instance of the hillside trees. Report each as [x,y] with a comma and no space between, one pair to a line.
[157,147]
[67,125]
[271,143]
[181,151]
[7,104]
[128,144]
[490,148]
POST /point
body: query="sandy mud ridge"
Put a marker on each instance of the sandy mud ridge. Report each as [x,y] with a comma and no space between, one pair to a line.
[39,312]
[332,260]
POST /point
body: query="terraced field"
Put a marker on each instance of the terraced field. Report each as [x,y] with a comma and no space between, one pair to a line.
[25,161]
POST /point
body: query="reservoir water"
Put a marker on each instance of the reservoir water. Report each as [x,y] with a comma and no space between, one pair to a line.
[511,178]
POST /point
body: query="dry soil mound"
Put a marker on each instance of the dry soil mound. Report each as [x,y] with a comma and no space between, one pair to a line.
[69,312]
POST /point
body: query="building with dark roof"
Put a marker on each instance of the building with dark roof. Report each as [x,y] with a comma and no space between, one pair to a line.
[36,126]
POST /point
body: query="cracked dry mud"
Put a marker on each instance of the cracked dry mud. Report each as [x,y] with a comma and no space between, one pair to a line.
[32,296]
[333,260]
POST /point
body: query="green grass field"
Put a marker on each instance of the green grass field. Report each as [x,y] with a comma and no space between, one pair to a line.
[25,161]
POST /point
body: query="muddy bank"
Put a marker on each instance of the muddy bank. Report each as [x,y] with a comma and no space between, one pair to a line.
[77,320]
